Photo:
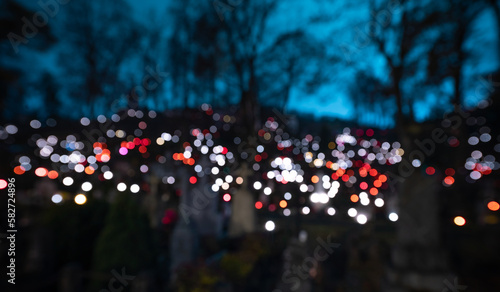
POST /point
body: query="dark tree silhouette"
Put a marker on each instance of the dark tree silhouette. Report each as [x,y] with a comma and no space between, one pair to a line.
[296,60]
[244,31]
[18,37]
[97,42]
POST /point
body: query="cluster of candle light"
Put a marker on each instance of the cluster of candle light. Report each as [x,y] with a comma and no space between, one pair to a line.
[348,163]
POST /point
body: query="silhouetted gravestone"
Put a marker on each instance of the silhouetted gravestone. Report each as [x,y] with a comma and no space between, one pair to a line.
[198,217]
[364,266]
[294,277]
[183,246]
[208,221]
[151,202]
[242,212]
[419,260]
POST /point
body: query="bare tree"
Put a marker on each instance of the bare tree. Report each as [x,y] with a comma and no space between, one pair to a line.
[18,37]
[97,41]
[296,60]
[244,34]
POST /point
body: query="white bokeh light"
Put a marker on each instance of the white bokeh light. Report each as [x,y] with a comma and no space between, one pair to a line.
[393,217]
[57,198]
[270,225]
[108,175]
[80,199]
[67,181]
[331,211]
[121,187]
[86,186]
[361,219]
[135,188]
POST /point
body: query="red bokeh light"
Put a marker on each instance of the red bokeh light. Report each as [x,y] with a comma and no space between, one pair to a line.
[449,180]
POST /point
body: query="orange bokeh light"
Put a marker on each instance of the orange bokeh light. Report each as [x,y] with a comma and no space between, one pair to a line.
[493,206]
[89,170]
[53,174]
[18,170]
[283,204]
[354,198]
[315,179]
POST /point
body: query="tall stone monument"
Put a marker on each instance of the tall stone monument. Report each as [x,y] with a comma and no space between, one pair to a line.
[243,211]
[418,257]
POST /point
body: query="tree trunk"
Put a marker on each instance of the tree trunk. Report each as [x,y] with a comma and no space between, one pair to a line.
[249,104]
